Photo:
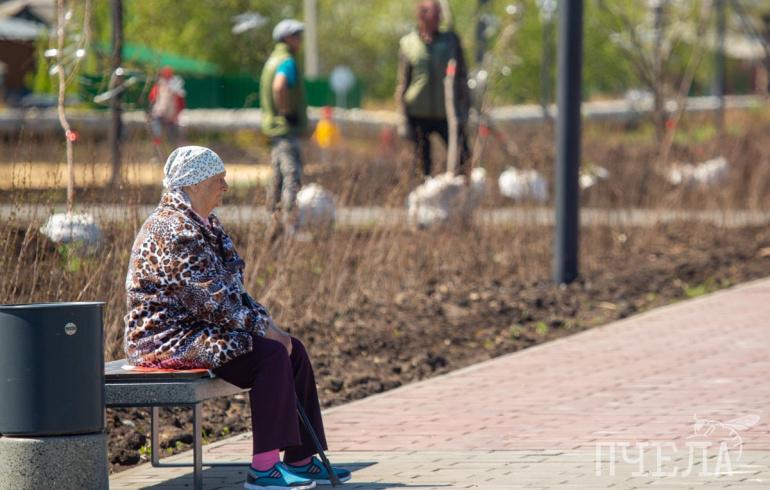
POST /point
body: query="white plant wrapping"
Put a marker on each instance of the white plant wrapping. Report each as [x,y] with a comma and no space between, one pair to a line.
[478,188]
[444,197]
[702,174]
[638,99]
[592,175]
[315,206]
[80,229]
[521,185]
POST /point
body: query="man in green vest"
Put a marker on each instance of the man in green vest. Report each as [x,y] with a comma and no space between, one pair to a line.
[426,56]
[284,119]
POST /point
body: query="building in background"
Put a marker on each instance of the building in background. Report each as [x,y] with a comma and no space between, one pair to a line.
[22,23]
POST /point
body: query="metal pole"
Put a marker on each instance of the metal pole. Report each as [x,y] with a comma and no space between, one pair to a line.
[312,64]
[545,68]
[116,78]
[565,264]
[718,90]
[547,10]
[481,36]
[659,109]
[766,37]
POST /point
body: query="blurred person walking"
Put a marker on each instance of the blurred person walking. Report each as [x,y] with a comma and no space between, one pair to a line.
[167,100]
[426,56]
[284,121]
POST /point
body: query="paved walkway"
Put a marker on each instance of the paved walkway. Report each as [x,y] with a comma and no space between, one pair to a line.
[383,216]
[353,122]
[674,398]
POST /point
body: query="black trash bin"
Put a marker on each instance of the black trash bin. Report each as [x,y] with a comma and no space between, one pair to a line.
[51,369]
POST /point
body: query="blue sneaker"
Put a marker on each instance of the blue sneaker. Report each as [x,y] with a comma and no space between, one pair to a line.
[279,477]
[316,471]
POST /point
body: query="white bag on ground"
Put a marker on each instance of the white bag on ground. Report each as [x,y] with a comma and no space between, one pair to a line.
[521,185]
[315,207]
[444,197]
[75,229]
[478,188]
[704,174]
[592,175]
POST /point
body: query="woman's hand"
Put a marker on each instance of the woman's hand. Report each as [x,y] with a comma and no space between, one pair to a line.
[274,333]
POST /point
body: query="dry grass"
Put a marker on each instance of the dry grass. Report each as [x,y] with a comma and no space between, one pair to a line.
[302,281]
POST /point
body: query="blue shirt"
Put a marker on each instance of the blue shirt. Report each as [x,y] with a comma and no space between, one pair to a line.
[288,69]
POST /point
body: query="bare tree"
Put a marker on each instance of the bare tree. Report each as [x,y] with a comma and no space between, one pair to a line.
[650,43]
[686,83]
[495,62]
[63,17]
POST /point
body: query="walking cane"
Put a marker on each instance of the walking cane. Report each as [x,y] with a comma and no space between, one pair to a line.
[305,420]
[309,427]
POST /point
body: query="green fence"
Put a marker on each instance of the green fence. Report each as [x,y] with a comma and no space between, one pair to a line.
[209,92]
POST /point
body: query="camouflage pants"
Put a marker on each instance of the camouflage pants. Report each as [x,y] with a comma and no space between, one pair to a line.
[287,174]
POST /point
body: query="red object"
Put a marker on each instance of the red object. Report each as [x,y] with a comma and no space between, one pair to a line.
[387,136]
[72,135]
[153,93]
[166,72]
[484,130]
[142,369]
[327,112]
[670,124]
[451,69]
[180,104]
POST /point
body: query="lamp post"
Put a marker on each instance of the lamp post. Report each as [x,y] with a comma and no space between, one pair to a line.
[565,264]
[658,10]
[312,64]
[718,90]
[547,11]
[481,32]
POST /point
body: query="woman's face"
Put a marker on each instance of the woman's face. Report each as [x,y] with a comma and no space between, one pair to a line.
[210,191]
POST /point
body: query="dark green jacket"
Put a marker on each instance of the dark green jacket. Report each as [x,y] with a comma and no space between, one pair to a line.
[274,124]
[422,68]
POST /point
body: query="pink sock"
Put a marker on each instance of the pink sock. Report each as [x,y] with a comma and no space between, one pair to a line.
[264,461]
[301,462]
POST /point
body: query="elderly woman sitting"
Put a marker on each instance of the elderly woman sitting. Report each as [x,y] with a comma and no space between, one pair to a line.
[187,308]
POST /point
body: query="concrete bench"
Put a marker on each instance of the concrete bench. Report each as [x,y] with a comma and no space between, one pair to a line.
[155,389]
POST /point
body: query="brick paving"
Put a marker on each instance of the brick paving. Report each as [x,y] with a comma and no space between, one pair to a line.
[612,407]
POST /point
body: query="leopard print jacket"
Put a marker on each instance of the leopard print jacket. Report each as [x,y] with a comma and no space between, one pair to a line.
[184,292]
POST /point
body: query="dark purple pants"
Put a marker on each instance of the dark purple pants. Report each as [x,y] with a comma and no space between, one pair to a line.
[275,379]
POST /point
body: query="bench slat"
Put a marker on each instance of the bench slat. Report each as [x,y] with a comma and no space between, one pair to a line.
[167,394]
[144,389]
[114,373]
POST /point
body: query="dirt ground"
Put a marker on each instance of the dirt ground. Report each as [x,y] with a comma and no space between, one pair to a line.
[379,308]
[456,319]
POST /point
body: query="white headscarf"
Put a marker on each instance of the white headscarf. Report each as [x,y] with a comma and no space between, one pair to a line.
[188,165]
